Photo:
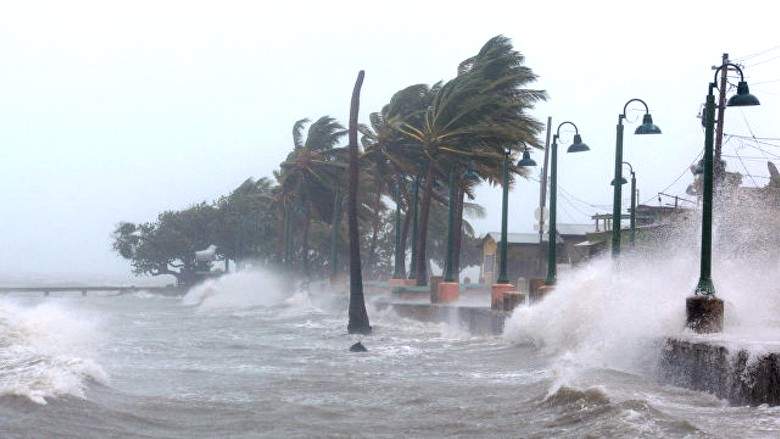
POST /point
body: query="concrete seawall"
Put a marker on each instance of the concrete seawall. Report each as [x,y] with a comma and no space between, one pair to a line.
[478,320]
[731,373]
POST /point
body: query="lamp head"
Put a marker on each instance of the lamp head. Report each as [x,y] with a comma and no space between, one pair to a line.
[578,146]
[622,181]
[743,98]
[647,127]
[526,161]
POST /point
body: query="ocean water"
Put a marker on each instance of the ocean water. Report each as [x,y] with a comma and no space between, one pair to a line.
[240,357]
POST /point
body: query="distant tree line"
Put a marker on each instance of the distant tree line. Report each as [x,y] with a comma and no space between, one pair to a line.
[423,143]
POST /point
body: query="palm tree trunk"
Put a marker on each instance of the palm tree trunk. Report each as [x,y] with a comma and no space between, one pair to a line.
[404,239]
[421,263]
[371,260]
[458,229]
[334,237]
[305,238]
[358,317]
[415,204]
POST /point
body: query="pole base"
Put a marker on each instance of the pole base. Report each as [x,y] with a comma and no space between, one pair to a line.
[704,314]
[540,293]
[497,292]
[398,282]
[447,292]
[512,299]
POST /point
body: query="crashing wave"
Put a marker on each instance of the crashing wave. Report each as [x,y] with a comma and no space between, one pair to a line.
[44,352]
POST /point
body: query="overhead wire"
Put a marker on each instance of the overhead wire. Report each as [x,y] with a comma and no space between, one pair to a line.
[755,54]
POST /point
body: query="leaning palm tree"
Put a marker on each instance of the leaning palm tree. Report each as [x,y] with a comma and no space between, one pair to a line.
[472,117]
[358,317]
[308,179]
[388,153]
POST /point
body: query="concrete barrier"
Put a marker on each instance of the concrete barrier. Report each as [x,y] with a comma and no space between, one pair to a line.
[477,320]
[728,372]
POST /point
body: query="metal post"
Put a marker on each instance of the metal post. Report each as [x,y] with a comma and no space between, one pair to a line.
[718,172]
[415,202]
[552,234]
[543,193]
[616,203]
[705,285]
[633,209]
[502,274]
[399,254]
[448,265]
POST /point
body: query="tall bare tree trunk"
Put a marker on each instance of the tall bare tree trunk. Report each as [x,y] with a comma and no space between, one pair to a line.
[358,317]
[422,261]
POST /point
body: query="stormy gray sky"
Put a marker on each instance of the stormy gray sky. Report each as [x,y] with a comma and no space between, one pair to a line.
[115,111]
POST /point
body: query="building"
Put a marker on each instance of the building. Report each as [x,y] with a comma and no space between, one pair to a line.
[526,258]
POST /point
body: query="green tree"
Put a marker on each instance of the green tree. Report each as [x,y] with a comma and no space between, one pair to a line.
[167,246]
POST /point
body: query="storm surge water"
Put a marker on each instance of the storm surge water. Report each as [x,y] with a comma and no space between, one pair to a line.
[47,351]
[246,356]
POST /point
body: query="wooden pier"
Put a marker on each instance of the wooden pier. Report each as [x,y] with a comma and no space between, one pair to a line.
[84,290]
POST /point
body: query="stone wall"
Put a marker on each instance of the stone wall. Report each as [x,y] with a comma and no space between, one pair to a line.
[712,368]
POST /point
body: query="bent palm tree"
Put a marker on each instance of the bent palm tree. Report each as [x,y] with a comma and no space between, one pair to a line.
[309,177]
[474,116]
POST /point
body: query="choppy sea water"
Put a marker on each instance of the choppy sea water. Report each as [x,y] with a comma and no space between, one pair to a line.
[242,358]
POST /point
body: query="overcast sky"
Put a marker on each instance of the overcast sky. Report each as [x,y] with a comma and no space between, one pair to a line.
[114,111]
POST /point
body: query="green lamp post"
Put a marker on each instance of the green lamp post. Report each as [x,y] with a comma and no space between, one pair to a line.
[449,263]
[503,278]
[647,127]
[743,98]
[632,236]
[552,235]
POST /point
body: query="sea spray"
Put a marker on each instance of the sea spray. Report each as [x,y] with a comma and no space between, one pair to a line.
[615,314]
[237,290]
[47,351]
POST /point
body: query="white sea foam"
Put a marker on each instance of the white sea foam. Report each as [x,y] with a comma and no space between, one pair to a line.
[609,314]
[46,351]
[237,290]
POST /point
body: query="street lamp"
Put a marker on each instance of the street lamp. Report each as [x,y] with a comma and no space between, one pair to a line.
[502,284]
[632,237]
[647,127]
[552,234]
[705,311]
[503,278]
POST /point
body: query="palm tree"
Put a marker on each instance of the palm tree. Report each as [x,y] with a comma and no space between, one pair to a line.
[308,179]
[388,153]
[358,317]
[473,117]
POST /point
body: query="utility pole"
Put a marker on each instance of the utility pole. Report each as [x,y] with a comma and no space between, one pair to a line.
[721,111]
[543,193]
